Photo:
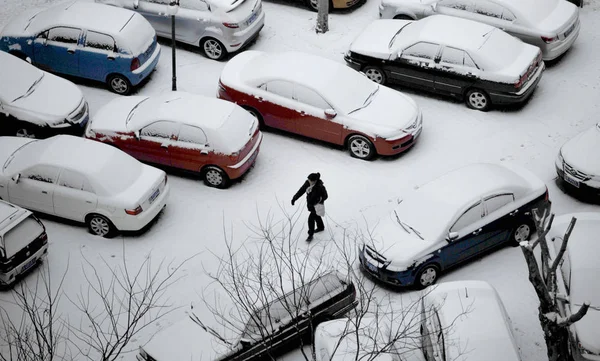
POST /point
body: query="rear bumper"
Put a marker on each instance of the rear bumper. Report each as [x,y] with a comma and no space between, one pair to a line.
[553,51]
[241,39]
[141,73]
[522,95]
[136,223]
[238,170]
[12,276]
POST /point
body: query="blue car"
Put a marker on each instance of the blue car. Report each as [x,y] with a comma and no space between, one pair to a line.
[86,40]
[452,219]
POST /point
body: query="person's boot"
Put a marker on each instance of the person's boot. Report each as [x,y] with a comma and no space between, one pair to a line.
[319,230]
[310,237]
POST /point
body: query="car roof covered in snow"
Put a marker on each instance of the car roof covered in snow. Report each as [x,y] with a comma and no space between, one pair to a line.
[7,214]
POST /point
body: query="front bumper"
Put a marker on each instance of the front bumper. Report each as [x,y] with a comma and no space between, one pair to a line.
[575,180]
[372,268]
[520,96]
[351,63]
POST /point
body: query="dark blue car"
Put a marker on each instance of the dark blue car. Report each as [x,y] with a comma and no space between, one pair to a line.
[86,40]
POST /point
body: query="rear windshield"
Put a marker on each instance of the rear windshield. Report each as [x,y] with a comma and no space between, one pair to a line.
[139,34]
[117,175]
[500,50]
[20,236]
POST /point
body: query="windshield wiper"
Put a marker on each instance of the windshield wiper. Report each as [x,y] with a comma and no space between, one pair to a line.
[400,222]
[415,231]
[133,110]
[367,102]
[12,156]
[31,89]
[404,226]
[396,35]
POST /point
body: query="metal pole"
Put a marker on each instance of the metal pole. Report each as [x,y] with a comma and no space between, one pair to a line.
[174,60]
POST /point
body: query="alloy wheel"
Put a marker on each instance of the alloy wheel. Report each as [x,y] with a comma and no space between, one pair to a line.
[314,4]
[213,49]
[478,100]
[99,226]
[428,277]
[360,148]
[374,75]
[522,233]
[214,177]
[24,133]
[119,85]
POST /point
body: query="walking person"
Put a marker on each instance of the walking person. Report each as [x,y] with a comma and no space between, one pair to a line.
[316,194]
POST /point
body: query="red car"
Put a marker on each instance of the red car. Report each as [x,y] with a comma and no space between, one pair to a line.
[215,138]
[322,99]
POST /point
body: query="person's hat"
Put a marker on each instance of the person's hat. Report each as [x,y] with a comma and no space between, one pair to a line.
[314,176]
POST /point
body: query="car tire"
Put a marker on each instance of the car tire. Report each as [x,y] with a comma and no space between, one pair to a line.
[313,5]
[403,17]
[521,233]
[256,114]
[119,84]
[427,276]
[24,132]
[375,74]
[477,99]
[213,49]
[215,177]
[100,226]
[361,147]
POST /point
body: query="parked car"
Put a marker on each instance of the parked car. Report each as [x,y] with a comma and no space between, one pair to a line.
[321,99]
[578,279]
[23,242]
[333,4]
[467,59]
[37,103]
[551,25]
[577,163]
[462,320]
[272,330]
[454,218]
[85,40]
[81,180]
[213,137]
[218,27]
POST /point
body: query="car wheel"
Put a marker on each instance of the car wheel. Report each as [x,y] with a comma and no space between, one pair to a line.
[100,226]
[256,115]
[477,99]
[375,74]
[314,5]
[215,177]
[361,147]
[24,133]
[402,17]
[119,84]
[521,234]
[427,276]
[213,49]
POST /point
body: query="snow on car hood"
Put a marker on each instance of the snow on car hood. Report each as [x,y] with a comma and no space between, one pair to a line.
[581,151]
[558,20]
[53,99]
[389,111]
[18,23]
[375,39]
[8,145]
[112,116]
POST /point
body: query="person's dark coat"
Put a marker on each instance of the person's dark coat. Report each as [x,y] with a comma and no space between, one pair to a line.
[318,194]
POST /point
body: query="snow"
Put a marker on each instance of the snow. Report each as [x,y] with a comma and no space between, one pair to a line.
[137,34]
[505,54]
[19,74]
[578,151]
[360,192]
[375,39]
[20,236]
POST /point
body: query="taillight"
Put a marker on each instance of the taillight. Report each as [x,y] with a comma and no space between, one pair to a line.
[222,87]
[135,63]
[546,196]
[165,181]
[231,25]
[44,238]
[521,81]
[549,40]
[134,212]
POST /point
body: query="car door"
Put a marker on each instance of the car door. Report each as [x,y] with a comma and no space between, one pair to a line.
[34,188]
[414,66]
[455,71]
[277,105]
[501,219]
[73,196]
[493,14]
[191,20]
[191,151]
[155,11]
[98,58]
[152,144]
[58,50]
[313,122]
[458,8]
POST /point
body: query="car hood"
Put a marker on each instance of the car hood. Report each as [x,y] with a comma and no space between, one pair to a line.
[389,112]
[112,116]
[53,99]
[18,23]
[584,288]
[560,19]
[580,151]
[375,39]
[8,145]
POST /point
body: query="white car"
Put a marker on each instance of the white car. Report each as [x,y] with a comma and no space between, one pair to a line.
[81,180]
[577,162]
[462,320]
[322,99]
[551,25]
[218,27]
[459,216]
[578,279]
[38,103]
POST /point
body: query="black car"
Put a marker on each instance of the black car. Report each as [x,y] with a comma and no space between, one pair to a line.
[278,327]
[451,56]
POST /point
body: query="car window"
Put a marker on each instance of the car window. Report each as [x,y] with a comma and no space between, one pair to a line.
[322,286]
[279,87]
[421,51]
[487,8]
[508,15]
[455,4]
[471,216]
[42,173]
[309,97]
[469,61]
[193,5]
[160,129]
[64,35]
[494,203]
[99,41]
[71,179]
[189,134]
[453,56]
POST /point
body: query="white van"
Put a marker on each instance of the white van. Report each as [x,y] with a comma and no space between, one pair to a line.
[23,242]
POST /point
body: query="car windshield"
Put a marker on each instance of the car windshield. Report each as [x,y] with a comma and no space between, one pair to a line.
[132,111]
[31,88]
[12,156]
[348,90]
[391,44]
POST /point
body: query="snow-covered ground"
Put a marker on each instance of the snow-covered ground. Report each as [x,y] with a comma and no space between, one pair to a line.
[565,103]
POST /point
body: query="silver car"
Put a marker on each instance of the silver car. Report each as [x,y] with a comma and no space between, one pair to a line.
[551,25]
[218,27]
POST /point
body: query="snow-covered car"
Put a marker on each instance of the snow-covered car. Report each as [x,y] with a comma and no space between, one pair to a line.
[37,103]
[272,330]
[322,99]
[577,162]
[81,180]
[462,320]
[218,27]
[212,137]
[551,25]
[23,242]
[450,56]
[461,215]
[86,40]
[577,280]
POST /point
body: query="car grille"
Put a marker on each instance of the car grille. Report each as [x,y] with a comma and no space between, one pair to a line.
[79,114]
[375,255]
[575,173]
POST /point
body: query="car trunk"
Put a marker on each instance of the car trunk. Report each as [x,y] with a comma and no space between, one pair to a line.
[241,12]
[560,19]
[140,36]
[242,133]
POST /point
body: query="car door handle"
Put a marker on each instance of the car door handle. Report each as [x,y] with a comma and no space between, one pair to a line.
[164,145]
[45,192]
[90,202]
[477,232]
[303,113]
[513,213]
[204,152]
[110,57]
[260,99]
[71,51]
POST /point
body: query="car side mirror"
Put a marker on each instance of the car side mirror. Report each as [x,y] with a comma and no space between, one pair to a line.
[452,236]
[136,3]
[330,113]
[434,6]
[16,177]
[137,134]
[245,343]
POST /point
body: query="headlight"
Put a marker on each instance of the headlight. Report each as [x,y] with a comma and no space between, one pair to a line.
[560,157]
[397,268]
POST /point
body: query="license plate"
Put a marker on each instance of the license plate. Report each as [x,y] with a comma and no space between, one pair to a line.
[569,31]
[371,267]
[154,195]
[28,265]
[252,18]
[571,180]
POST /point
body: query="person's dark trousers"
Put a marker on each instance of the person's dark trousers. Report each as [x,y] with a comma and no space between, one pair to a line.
[312,219]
